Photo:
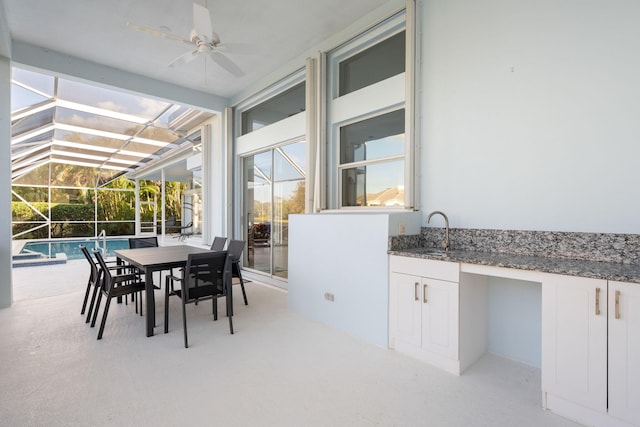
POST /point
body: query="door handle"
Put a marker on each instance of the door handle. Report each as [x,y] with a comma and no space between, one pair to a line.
[617,304]
[424,293]
[415,291]
[597,301]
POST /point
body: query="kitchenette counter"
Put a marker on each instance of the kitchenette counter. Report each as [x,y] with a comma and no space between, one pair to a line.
[623,272]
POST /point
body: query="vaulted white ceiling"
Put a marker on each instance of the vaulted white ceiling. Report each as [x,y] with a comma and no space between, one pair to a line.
[274,32]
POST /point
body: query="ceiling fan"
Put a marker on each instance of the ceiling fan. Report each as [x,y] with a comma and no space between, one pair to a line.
[205,41]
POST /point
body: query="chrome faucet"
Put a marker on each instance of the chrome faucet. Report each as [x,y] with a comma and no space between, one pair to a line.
[446,244]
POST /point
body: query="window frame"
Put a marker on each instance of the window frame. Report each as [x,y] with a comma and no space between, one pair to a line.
[289,82]
[340,167]
[391,94]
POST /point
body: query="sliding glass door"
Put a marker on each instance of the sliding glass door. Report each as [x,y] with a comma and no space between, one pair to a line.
[274,188]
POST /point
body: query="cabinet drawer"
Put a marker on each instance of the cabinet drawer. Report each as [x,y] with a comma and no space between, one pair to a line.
[442,270]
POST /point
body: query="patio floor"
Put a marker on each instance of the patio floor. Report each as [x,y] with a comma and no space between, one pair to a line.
[278,369]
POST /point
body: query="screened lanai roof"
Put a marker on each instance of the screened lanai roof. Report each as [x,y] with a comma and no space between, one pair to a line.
[110,133]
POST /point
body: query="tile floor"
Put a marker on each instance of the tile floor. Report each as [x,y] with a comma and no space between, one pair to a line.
[278,369]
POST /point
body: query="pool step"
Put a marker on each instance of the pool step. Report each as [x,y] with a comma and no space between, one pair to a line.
[34,259]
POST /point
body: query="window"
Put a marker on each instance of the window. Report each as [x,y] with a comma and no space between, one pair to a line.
[273,188]
[372,161]
[369,152]
[381,61]
[273,174]
[285,104]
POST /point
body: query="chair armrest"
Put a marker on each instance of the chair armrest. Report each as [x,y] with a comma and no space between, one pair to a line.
[121,267]
[124,277]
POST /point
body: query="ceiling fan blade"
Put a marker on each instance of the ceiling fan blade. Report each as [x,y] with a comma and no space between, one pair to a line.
[184,58]
[226,63]
[202,21]
[157,33]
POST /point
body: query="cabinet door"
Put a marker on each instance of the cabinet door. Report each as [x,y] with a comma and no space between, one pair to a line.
[574,340]
[440,317]
[405,310]
[624,351]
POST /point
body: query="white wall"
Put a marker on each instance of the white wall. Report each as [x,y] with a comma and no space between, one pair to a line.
[514,321]
[530,114]
[5,182]
[5,36]
[346,255]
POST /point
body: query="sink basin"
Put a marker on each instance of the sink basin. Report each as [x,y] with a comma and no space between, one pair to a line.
[434,252]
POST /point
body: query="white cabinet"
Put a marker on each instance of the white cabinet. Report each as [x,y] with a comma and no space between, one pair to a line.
[425,315]
[574,341]
[624,351]
[591,350]
[425,319]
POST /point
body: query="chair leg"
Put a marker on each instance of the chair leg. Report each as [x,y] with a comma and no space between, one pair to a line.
[166,307]
[244,293]
[93,301]
[184,324]
[214,303]
[230,314]
[96,309]
[86,296]
[139,298]
[104,317]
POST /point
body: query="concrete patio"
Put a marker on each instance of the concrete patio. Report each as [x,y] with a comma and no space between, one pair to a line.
[278,369]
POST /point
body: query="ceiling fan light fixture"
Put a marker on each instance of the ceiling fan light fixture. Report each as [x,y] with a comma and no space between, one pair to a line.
[201,37]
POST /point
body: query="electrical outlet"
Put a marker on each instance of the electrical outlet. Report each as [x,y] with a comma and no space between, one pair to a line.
[402,228]
[328,296]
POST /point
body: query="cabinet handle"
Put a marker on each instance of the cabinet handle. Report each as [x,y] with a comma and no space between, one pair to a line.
[597,301]
[415,291]
[617,304]
[424,293]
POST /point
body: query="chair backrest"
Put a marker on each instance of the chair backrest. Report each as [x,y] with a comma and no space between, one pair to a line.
[207,269]
[218,243]
[235,249]
[106,273]
[94,268]
[143,242]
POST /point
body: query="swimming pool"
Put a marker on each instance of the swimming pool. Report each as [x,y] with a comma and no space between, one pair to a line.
[71,247]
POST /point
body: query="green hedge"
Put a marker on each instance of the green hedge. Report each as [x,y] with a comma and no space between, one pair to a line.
[61,214]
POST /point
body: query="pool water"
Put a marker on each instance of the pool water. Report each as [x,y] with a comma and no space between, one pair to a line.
[71,247]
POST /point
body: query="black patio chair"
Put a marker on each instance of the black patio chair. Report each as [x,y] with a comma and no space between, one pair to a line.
[92,283]
[235,249]
[143,242]
[218,243]
[95,276]
[207,275]
[181,230]
[114,286]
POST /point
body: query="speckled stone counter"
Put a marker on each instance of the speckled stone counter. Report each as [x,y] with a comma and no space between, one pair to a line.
[569,267]
[593,255]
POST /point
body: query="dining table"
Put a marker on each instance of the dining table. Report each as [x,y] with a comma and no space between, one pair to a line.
[150,260]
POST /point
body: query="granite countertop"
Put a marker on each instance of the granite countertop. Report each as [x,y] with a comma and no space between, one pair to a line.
[622,272]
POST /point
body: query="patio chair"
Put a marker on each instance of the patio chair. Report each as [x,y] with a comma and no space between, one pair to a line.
[182,233]
[143,242]
[235,249]
[94,281]
[207,276]
[218,243]
[114,286]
